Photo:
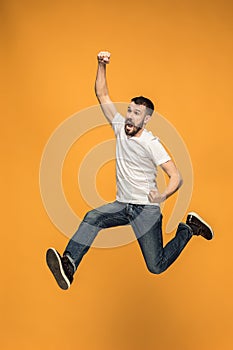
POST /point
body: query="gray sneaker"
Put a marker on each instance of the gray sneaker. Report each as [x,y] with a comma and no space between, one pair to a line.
[199,226]
[60,267]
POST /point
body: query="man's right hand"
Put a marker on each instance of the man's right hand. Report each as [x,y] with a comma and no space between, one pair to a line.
[104,57]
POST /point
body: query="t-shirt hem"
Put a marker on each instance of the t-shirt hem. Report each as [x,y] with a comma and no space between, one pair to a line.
[134,201]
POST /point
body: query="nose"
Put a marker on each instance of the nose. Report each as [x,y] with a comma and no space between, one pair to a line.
[129,120]
[130,116]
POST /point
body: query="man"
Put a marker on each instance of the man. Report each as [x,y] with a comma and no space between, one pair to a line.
[138,154]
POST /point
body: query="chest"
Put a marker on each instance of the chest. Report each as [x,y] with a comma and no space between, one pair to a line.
[132,151]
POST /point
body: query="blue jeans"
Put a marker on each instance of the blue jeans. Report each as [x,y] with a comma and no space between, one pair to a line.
[146,221]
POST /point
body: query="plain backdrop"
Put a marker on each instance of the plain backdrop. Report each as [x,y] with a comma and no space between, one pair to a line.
[178,53]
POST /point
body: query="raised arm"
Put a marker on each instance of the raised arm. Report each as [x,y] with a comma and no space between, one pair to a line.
[101,88]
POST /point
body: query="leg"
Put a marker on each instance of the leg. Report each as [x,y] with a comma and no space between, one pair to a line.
[157,257]
[110,215]
[63,268]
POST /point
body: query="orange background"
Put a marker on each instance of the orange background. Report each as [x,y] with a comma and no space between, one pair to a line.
[178,53]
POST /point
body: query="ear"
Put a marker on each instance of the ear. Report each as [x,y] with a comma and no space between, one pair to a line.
[147,118]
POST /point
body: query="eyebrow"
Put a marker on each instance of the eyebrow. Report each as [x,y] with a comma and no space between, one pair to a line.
[136,110]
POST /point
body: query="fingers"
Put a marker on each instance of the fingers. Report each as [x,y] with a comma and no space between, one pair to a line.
[153,193]
[104,57]
[154,196]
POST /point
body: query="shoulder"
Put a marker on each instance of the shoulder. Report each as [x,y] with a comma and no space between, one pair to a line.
[156,150]
[149,138]
[118,118]
[118,122]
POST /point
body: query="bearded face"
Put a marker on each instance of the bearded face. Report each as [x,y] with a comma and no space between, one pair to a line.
[131,129]
[135,119]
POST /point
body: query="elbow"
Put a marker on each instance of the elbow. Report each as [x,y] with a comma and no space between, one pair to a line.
[180,180]
[99,96]
[97,92]
[100,92]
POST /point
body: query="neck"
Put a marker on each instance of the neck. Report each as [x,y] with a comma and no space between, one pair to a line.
[139,133]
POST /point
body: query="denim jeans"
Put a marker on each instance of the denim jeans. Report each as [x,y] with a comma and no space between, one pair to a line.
[146,221]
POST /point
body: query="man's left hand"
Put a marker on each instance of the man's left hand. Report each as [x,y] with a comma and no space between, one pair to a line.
[156,197]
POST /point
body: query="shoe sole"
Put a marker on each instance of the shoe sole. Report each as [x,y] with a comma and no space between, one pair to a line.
[54,263]
[203,221]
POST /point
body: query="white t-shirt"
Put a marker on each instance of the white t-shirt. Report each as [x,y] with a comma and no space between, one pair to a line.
[137,159]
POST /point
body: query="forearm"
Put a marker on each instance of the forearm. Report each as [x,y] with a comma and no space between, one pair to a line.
[175,182]
[101,88]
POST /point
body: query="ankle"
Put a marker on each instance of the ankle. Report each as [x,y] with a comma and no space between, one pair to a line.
[71,262]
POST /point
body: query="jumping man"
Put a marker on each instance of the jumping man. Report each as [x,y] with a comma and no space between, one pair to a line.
[138,155]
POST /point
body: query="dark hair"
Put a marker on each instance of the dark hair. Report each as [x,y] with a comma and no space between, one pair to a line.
[141,100]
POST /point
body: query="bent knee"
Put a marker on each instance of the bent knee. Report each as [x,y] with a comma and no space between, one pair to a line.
[156,269]
[92,217]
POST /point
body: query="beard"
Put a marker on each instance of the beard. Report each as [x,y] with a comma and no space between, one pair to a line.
[131,129]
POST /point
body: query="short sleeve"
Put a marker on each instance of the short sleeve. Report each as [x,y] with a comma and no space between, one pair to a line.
[117,123]
[158,153]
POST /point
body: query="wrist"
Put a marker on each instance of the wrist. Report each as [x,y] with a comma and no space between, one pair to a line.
[163,197]
[101,67]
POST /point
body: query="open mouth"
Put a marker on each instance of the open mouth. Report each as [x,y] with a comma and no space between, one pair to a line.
[129,123]
[129,127]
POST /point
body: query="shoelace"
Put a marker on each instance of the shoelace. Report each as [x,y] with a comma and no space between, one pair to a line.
[198,228]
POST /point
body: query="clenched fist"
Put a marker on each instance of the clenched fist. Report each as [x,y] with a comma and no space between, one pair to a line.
[104,57]
[156,197]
